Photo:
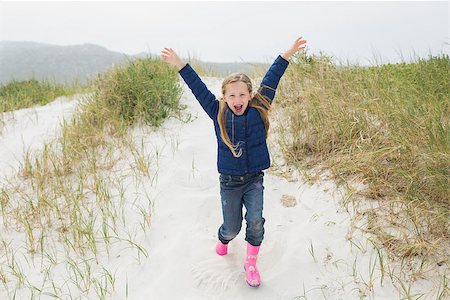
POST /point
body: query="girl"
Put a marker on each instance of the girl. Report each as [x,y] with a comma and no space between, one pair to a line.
[241,124]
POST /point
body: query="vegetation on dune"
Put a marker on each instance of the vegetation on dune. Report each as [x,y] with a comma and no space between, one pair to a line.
[144,90]
[71,196]
[23,94]
[386,127]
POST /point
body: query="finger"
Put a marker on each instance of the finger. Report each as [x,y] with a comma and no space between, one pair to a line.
[301,43]
[298,40]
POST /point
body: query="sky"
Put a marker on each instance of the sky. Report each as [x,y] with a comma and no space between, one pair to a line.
[360,32]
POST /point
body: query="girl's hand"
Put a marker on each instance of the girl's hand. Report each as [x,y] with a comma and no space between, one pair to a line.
[298,45]
[169,56]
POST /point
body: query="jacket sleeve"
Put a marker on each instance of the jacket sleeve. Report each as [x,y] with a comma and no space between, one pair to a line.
[270,81]
[207,99]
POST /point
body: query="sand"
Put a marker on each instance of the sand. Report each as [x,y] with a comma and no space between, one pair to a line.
[308,251]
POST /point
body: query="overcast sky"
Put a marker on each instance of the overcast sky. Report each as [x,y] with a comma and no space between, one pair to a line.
[237,31]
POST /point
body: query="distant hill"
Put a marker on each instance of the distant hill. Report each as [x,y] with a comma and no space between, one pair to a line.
[66,64]
[23,60]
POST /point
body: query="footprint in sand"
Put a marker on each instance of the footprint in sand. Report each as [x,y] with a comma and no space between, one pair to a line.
[288,200]
[212,275]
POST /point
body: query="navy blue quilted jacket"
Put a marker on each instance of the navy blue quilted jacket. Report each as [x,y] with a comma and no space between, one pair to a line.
[249,132]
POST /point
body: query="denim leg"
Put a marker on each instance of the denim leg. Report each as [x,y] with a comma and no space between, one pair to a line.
[231,199]
[253,201]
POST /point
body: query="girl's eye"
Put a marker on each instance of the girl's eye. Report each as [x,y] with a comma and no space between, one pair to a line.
[242,95]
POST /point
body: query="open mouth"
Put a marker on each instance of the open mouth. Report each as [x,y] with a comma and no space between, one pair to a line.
[238,108]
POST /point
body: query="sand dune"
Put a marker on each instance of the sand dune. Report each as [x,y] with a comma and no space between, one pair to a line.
[306,253]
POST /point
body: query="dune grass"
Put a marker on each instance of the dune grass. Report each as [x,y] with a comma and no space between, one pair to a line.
[23,94]
[16,95]
[144,91]
[68,203]
[384,132]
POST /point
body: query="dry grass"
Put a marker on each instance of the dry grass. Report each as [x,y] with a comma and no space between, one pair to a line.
[385,128]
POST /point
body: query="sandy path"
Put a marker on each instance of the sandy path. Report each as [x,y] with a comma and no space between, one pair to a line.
[182,263]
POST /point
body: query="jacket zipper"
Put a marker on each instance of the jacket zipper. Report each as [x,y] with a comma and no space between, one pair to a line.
[246,146]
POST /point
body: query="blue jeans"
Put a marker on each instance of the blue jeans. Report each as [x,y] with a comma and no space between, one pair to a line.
[235,192]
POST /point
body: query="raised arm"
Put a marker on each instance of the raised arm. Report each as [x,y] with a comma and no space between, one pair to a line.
[270,81]
[204,96]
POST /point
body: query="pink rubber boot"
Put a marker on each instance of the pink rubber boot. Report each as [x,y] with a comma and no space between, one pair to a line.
[251,272]
[221,249]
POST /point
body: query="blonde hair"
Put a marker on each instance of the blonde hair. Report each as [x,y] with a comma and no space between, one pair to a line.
[258,101]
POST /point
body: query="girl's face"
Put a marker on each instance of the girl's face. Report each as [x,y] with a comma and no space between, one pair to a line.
[237,97]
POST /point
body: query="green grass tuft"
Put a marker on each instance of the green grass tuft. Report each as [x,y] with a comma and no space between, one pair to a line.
[23,94]
[144,90]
